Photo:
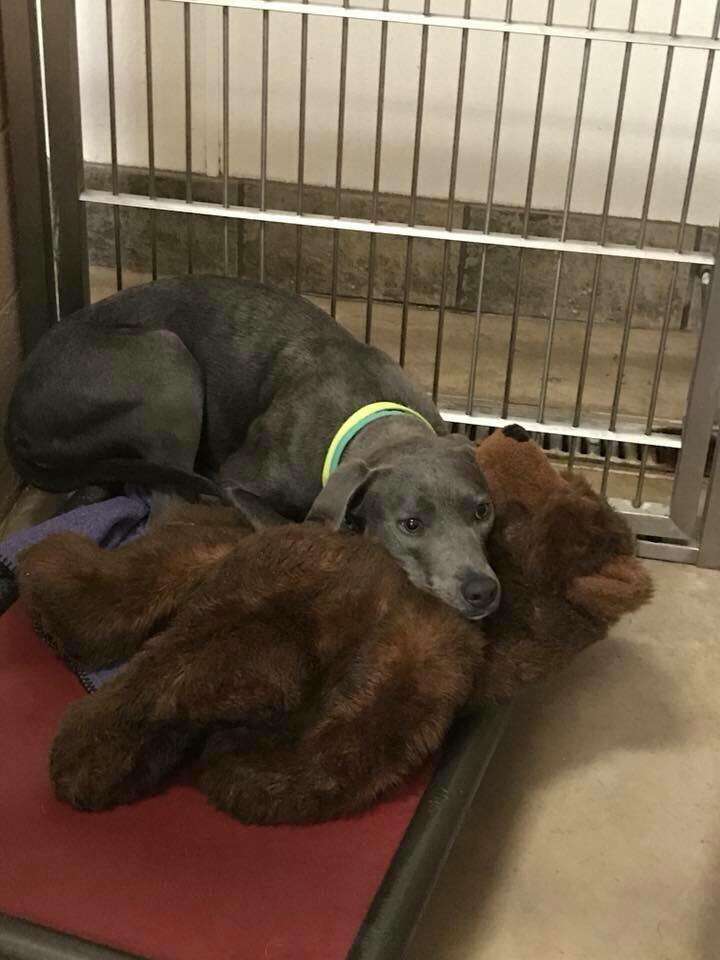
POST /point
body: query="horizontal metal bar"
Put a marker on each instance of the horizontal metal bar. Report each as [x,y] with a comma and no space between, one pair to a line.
[650,520]
[483,24]
[670,552]
[198,207]
[664,440]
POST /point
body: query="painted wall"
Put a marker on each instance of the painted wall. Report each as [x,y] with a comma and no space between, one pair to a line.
[402,73]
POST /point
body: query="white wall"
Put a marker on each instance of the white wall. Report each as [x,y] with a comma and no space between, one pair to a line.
[402,72]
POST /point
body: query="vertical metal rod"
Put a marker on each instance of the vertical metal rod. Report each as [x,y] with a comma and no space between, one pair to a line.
[65,153]
[376,172]
[488,209]
[539,103]
[20,52]
[597,271]
[226,133]
[414,184]
[263,139]
[113,138]
[301,147]
[339,158]
[152,190]
[630,307]
[187,27]
[709,554]
[700,413]
[462,67]
[689,183]
[552,321]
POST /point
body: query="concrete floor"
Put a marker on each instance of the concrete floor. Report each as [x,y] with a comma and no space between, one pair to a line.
[596,833]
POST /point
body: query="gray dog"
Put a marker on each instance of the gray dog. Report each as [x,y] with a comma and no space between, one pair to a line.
[204,384]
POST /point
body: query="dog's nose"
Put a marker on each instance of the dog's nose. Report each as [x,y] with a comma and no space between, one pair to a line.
[480,592]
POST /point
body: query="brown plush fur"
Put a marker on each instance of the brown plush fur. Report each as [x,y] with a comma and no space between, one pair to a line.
[298,665]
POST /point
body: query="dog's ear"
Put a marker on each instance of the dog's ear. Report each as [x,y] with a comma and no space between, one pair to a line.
[342,493]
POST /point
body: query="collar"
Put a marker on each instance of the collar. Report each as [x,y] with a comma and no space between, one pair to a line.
[357,422]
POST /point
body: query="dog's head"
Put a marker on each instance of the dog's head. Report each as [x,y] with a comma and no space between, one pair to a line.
[430,508]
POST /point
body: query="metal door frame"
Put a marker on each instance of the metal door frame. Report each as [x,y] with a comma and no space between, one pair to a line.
[687,531]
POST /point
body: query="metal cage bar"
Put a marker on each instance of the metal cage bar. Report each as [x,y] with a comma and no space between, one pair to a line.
[469,413]
[62,98]
[604,220]
[660,254]
[412,213]
[474,23]
[489,198]
[21,57]
[113,139]
[537,119]
[709,553]
[457,126]
[649,184]
[264,139]
[570,183]
[187,63]
[379,116]
[689,184]
[700,413]
[339,147]
[152,189]
[302,116]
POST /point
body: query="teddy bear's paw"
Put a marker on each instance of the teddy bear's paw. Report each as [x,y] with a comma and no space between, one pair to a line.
[574,536]
[63,586]
[620,586]
[91,759]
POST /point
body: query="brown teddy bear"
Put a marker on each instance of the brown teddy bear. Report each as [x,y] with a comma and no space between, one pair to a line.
[297,668]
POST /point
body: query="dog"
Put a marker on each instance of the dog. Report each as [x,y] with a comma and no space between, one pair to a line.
[297,665]
[201,384]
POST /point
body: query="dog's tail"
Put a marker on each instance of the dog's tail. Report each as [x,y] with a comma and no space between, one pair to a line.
[111,471]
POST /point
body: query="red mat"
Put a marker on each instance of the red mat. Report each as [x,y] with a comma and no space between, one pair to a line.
[169,878]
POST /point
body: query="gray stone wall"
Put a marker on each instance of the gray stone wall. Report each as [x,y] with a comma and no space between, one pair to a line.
[463,266]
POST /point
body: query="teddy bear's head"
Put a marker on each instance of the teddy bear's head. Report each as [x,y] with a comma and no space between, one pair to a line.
[565,537]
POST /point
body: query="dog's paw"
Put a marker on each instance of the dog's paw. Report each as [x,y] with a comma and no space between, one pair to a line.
[91,759]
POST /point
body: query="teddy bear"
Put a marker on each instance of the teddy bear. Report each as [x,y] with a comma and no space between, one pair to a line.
[296,670]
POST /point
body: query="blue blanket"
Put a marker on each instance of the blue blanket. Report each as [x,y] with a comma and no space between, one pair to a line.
[110,524]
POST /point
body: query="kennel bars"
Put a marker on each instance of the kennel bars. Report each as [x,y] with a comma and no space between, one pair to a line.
[688,528]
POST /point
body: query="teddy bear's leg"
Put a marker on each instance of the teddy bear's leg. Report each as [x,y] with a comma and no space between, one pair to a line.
[99,606]
[110,748]
[119,743]
[364,744]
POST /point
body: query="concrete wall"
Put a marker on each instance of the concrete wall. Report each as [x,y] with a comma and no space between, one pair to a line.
[10,351]
[402,74]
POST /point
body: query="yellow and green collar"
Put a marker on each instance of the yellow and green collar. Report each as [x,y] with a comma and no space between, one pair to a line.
[354,424]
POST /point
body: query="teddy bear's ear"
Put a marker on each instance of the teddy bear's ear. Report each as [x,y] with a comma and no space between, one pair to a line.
[516,432]
[516,469]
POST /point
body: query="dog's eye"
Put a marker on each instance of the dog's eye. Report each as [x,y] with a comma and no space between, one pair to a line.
[483,511]
[411,525]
